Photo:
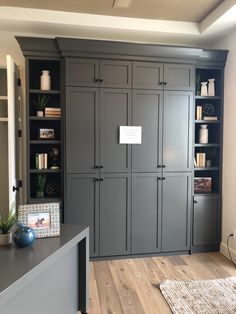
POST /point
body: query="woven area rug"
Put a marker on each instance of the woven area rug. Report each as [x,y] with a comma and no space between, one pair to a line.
[201,296]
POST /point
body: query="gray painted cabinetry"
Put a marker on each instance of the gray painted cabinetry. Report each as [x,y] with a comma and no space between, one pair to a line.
[99,168]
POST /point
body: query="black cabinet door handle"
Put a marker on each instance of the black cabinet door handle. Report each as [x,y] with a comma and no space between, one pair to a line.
[96,80]
[96,167]
[161,83]
[101,179]
[164,83]
[96,179]
[163,178]
[14,188]
[195,202]
[100,167]
[163,166]
[159,166]
[101,80]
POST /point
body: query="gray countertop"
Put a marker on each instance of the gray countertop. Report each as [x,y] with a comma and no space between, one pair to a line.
[17,263]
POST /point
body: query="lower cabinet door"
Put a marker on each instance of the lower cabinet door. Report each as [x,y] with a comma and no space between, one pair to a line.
[82,206]
[206,220]
[146,213]
[114,214]
[176,211]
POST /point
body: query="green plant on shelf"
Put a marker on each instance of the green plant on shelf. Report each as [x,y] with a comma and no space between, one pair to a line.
[40,184]
[41,102]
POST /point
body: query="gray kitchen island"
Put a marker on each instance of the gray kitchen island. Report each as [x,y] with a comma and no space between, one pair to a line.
[49,277]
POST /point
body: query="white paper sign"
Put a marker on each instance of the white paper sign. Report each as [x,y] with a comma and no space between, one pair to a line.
[130,134]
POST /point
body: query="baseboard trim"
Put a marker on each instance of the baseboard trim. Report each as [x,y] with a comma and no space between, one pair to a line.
[224,251]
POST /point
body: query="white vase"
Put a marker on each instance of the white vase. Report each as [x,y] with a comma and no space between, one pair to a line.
[203,134]
[6,239]
[39,113]
[45,80]
[204,89]
[211,87]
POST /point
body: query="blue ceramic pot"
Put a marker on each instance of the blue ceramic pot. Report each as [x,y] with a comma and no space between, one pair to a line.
[24,236]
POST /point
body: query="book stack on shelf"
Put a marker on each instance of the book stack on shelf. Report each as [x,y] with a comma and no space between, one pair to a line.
[52,112]
[200,160]
[41,161]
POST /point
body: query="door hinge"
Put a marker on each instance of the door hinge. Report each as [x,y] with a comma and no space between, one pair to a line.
[18,82]
[19,133]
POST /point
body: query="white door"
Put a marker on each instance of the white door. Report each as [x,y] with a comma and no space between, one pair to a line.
[12,130]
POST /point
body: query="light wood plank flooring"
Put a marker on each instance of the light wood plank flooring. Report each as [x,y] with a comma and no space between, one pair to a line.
[131,286]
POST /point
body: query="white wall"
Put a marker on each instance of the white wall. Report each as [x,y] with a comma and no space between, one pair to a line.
[229,146]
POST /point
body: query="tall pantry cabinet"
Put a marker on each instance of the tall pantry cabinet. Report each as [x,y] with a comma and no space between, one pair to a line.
[137,199]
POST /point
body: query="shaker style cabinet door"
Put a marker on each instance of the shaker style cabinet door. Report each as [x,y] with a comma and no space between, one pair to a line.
[206,220]
[147,75]
[115,111]
[115,214]
[176,211]
[177,131]
[115,73]
[147,113]
[82,111]
[146,213]
[179,77]
[82,72]
[82,193]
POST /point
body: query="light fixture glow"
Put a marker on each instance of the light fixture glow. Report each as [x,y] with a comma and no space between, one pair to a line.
[122,3]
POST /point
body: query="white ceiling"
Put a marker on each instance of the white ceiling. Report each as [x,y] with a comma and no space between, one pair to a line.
[181,22]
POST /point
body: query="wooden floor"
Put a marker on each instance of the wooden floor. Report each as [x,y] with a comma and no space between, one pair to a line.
[132,285]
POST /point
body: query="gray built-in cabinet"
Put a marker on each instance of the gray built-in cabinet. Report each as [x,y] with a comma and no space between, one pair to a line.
[137,199]
[101,198]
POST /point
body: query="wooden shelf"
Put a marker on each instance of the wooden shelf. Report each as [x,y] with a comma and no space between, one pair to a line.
[206,168]
[208,97]
[35,200]
[39,91]
[45,142]
[207,121]
[206,145]
[45,170]
[206,194]
[35,118]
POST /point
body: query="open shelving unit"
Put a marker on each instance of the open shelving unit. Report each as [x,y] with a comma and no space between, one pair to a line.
[36,145]
[207,174]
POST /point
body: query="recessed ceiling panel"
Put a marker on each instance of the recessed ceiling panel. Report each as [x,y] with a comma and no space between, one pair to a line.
[174,10]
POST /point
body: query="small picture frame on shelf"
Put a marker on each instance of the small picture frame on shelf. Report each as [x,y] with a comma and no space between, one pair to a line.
[43,218]
[46,134]
[202,185]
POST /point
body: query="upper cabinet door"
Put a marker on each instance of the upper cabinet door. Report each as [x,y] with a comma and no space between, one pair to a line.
[116,74]
[147,113]
[82,72]
[82,129]
[147,75]
[115,111]
[178,77]
[177,131]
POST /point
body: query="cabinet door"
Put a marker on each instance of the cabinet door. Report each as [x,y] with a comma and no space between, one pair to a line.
[176,210]
[177,131]
[206,220]
[146,213]
[115,215]
[82,206]
[179,77]
[81,129]
[147,75]
[115,110]
[116,74]
[147,112]
[82,72]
